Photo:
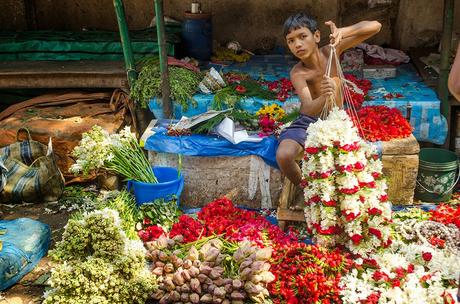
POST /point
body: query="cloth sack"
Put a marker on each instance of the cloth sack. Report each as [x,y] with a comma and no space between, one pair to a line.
[29,172]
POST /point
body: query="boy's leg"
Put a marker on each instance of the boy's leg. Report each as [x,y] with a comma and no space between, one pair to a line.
[286,154]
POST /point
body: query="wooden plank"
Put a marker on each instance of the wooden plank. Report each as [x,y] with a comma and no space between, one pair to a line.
[290,215]
[62,74]
[407,145]
[401,174]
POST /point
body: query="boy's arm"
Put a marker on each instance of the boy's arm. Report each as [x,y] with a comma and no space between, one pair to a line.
[329,86]
[347,37]
[454,76]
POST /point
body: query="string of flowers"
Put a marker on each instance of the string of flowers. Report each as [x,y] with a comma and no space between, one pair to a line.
[344,190]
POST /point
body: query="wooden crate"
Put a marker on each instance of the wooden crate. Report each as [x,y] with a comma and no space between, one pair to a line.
[247,180]
[400,167]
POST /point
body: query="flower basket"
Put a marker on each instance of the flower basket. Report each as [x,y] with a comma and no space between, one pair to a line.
[170,183]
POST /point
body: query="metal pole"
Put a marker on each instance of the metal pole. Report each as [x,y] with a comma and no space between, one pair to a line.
[165,90]
[125,42]
[446,42]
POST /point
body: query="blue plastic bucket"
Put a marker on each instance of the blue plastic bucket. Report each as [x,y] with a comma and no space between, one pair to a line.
[169,185]
[197,35]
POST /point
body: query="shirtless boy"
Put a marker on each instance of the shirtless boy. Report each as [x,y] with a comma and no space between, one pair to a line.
[309,80]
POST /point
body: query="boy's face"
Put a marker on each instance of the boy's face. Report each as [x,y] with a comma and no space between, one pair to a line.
[302,42]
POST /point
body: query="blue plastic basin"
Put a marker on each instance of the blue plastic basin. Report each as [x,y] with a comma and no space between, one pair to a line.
[169,184]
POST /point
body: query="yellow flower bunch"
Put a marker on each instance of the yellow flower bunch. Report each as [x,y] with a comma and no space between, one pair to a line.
[274,111]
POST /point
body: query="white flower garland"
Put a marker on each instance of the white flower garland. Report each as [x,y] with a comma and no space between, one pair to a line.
[344,190]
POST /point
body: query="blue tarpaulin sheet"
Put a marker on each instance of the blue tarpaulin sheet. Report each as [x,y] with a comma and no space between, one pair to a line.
[211,146]
[428,123]
[25,242]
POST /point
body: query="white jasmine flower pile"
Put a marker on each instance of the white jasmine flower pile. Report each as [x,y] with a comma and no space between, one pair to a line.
[119,153]
[98,264]
[344,189]
[92,152]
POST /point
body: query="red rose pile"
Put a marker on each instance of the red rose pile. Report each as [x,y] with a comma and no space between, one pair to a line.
[381,123]
[282,87]
[446,214]
[221,216]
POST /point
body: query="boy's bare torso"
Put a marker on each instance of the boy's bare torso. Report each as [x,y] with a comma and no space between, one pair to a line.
[313,77]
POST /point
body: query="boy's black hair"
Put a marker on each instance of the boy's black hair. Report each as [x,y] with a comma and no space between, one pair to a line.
[299,20]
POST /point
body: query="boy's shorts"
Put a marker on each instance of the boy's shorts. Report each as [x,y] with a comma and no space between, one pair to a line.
[297,131]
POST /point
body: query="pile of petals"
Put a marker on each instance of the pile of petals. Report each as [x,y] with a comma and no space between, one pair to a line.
[405,273]
[344,190]
[269,119]
[306,274]
[446,214]
[381,123]
[189,228]
[282,87]
[358,97]
[221,216]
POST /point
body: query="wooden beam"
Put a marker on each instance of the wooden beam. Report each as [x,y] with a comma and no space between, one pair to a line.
[62,74]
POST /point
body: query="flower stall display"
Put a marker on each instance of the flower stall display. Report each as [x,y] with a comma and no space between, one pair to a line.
[344,190]
[98,264]
[119,152]
[381,123]
[226,254]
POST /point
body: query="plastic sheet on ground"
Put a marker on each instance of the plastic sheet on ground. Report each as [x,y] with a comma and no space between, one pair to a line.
[24,243]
